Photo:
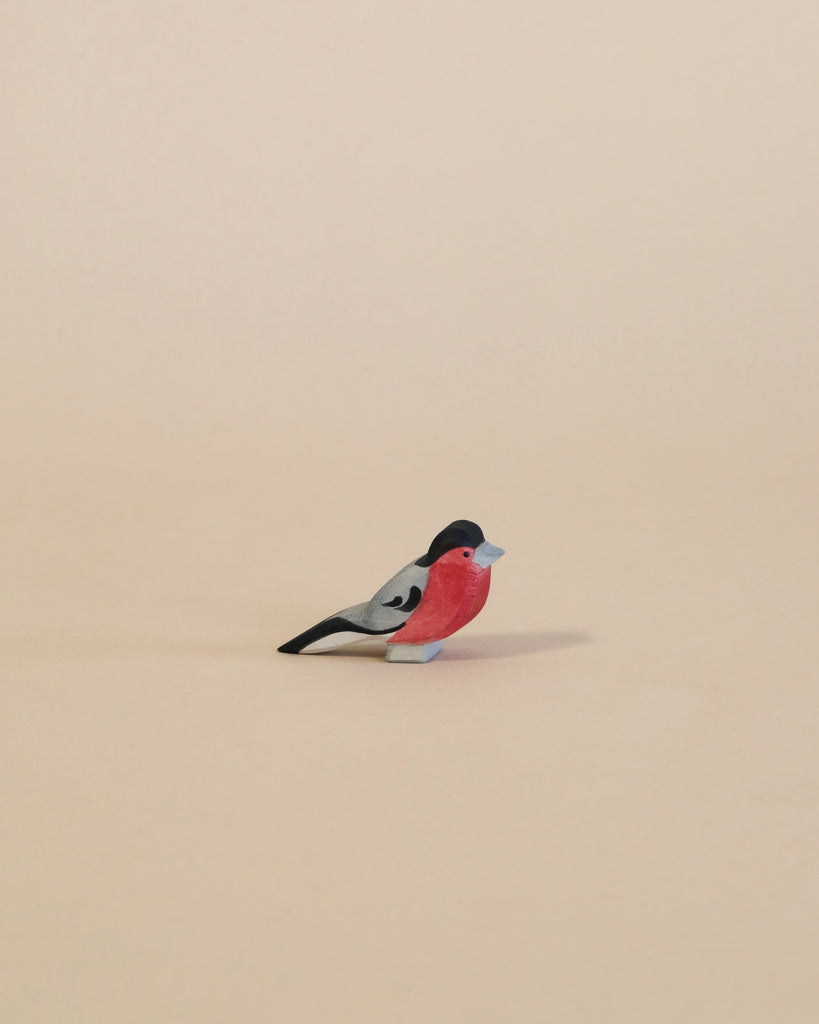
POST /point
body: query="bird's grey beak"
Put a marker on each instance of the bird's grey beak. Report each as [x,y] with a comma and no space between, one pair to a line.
[486,554]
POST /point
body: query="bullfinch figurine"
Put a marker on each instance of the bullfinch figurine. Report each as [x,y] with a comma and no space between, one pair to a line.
[428,600]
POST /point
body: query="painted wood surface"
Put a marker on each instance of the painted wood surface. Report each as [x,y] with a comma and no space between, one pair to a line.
[425,602]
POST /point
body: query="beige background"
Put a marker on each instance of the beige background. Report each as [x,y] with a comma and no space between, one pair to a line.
[286,287]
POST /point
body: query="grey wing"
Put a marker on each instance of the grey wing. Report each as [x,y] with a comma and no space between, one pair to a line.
[392,605]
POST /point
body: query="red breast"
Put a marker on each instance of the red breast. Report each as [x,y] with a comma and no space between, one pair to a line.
[456,591]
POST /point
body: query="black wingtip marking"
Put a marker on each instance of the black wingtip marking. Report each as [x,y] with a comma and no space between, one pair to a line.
[326,628]
[411,602]
[291,647]
[409,605]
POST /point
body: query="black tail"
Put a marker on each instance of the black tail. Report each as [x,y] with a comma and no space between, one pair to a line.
[325,628]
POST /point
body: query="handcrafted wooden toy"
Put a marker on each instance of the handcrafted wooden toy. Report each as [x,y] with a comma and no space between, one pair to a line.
[427,601]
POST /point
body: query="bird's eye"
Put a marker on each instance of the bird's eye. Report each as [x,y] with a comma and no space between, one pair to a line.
[466,554]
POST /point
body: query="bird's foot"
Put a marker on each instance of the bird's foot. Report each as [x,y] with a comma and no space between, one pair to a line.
[415,654]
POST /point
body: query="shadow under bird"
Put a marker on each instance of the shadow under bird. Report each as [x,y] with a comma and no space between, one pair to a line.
[427,601]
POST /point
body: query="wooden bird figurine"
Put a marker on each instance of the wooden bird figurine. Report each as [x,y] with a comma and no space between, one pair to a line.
[428,600]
